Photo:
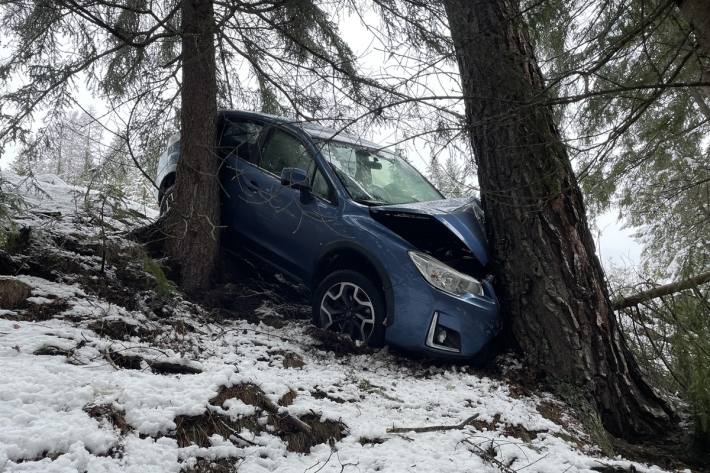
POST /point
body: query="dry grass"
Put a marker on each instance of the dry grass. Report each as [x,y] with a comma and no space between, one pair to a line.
[299,433]
[288,398]
[109,413]
[225,465]
[322,431]
[197,430]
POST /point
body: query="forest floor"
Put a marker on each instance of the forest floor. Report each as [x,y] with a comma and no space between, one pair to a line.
[104,367]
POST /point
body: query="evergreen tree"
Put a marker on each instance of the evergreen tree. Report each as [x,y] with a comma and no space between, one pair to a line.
[638,73]
[70,146]
[150,59]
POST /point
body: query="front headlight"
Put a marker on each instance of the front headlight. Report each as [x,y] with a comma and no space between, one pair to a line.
[444,277]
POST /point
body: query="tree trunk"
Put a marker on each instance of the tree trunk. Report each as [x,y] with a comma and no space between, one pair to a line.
[193,221]
[551,283]
[697,14]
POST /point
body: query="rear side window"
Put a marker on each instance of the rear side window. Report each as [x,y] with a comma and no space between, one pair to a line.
[240,138]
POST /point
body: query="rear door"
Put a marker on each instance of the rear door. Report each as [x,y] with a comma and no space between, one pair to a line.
[294,224]
[241,179]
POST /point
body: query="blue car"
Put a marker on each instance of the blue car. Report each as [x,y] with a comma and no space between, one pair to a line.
[386,257]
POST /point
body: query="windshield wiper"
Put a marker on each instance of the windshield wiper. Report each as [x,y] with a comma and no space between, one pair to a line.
[371,202]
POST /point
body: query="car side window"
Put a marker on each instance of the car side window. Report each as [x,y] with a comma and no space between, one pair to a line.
[319,186]
[282,150]
[240,137]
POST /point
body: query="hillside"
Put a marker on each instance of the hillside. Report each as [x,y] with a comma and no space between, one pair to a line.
[104,367]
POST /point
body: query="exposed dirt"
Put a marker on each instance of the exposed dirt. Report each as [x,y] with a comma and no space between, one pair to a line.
[322,431]
[338,344]
[213,466]
[320,394]
[40,312]
[118,329]
[167,367]
[676,452]
[136,362]
[371,441]
[198,429]
[110,414]
[299,433]
[290,359]
[248,393]
[288,398]
[51,350]
[104,269]
[13,293]
[510,430]
[128,362]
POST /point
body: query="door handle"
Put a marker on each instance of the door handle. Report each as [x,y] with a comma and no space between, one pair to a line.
[252,185]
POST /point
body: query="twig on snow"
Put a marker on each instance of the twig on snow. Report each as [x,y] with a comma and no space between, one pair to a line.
[486,455]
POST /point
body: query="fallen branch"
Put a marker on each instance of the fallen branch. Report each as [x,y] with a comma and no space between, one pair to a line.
[489,456]
[660,291]
[433,428]
[283,415]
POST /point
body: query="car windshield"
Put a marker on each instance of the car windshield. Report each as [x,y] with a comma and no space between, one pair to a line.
[377,177]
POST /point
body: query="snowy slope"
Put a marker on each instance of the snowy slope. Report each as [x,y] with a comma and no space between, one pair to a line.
[98,374]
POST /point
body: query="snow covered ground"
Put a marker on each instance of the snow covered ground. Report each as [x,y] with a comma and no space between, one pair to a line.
[99,374]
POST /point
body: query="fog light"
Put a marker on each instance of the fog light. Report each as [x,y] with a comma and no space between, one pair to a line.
[440,335]
[442,338]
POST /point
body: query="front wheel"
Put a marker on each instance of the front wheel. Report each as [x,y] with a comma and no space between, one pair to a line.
[349,302]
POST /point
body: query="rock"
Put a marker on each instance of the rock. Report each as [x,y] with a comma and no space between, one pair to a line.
[13,292]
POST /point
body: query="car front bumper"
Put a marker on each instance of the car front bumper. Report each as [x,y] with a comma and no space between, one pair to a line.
[419,307]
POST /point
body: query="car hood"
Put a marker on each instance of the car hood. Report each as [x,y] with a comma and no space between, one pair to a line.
[462,217]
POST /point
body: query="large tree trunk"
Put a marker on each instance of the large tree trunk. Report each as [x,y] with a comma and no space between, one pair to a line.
[193,221]
[551,283]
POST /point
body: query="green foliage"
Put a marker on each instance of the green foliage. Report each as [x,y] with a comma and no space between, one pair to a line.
[164,286]
[640,145]
[670,337]
[450,177]
[10,204]
[691,356]
[9,236]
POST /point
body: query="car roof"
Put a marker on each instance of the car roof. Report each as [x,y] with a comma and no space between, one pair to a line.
[311,128]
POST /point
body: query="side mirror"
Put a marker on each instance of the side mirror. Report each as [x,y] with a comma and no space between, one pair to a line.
[296,178]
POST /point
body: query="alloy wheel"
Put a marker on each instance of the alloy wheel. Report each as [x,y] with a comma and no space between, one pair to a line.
[347,308]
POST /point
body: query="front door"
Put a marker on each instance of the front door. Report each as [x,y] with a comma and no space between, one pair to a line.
[294,223]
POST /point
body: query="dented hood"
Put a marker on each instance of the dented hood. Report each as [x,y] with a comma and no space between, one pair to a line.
[463,218]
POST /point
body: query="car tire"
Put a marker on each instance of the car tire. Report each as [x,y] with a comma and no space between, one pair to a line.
[167,200]
[354,298]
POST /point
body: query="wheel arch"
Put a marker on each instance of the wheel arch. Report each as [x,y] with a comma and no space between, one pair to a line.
[165,184]
[347,255]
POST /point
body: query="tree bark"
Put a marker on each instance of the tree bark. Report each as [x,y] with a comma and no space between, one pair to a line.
[551,283]
[193,221]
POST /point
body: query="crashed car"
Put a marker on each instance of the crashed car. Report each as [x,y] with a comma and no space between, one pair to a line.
[386,257]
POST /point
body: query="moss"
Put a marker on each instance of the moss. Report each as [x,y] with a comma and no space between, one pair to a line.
[588,416]
[14,239]
[163,286]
